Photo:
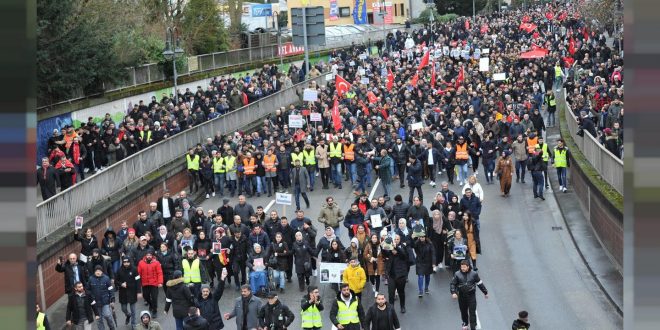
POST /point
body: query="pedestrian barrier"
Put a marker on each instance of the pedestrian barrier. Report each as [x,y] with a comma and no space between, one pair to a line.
[608,166]
[61,209]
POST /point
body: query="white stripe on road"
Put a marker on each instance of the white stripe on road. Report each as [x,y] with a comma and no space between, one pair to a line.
[478,321]
[269,206]
[373,189]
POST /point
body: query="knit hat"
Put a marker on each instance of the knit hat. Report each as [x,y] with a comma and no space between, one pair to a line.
[205,286]
[98,267]
[143,313]
[131,230]
[177,274]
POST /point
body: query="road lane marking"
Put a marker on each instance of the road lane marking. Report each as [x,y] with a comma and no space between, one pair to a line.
[373,189]
[478,321]
[269,206]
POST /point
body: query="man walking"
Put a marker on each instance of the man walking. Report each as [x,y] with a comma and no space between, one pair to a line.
[536,167]
[346,312]
[463,287]
[246,310]
[275,315]
[310,309]
[126,281]
[415,180]
[151,274]
[47,179]
[301,182]
[381,316]
[100,287]
[561,163]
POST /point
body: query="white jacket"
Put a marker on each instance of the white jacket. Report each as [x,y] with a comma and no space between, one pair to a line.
[476,190]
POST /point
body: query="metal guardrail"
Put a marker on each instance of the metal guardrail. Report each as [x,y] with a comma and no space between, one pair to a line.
[151,73]
[606,164]
[60,210]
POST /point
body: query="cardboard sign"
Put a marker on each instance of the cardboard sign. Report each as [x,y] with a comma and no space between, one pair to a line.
[310,95]
[484,64]
[331,272]
[362,71]
[364,80]
[296,121]
[283,199]
[376,221]
[499,76]
[315,116]
[416,126]
[78,222]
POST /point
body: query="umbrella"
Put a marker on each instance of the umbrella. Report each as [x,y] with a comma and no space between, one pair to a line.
[537,53]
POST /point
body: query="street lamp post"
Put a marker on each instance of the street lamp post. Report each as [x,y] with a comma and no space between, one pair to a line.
[171,52]
[473,10]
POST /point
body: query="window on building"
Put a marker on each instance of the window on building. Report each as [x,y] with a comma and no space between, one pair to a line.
[396,10]
[401,9]
[344,11]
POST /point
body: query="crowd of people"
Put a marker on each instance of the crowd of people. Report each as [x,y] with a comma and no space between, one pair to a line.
[426,111]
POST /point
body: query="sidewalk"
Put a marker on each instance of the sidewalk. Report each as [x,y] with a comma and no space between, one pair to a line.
[609,279]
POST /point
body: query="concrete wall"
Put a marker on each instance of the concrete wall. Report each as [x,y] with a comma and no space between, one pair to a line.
[606,220]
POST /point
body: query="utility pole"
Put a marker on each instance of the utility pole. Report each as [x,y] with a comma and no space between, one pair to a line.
[304,17]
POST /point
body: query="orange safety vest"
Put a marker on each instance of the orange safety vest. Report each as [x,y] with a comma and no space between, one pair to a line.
[248,166]
[348,152]
[531,144]
[269,163]
[461,151]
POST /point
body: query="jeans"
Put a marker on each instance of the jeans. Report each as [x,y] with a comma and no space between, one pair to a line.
[537,178]
[367,177]
[80,172]
[361,185]
[179,323]
[232,186]
[125,309]
[192,180]
[336,174]
[279,276]
[462,172]
[283,175]
[520,169]
[262,183]
[551,118]
[311,169]
[561,175]
[351,170]
[423,281]
[83,324]
[115,266]
[106,316]
[387,187]
[489,166]
[219,183]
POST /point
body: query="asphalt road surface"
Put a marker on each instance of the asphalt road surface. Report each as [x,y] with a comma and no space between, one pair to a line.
[526,265]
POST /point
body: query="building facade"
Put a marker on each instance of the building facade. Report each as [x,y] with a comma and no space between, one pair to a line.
[344,12]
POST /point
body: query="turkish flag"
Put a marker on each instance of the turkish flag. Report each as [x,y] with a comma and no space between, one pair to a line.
[585,34]
[527,27]
[425,60]
[562,16]
[571,46]
[414,79]
[460,78]
[341,85]
[365,109]
[433,75]
[336,120]
[372,97]
[484,28]
[299,136]
[390,79]
[535,35]
[383,112]
[568,61]
[526,19]
[549,15]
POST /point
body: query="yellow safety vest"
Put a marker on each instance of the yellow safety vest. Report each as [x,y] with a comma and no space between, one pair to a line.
[218,166]
[40,321]
[350,95]
[310,158]
[560,157]
[545,156]
[148,136]
[552,101]
[311,318]
[229,164]
[191,274]
[298,156]
[193,164]
[347,315]
[335,150]
[557,71]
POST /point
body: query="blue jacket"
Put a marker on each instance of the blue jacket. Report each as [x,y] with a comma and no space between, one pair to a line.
[262,239]
[415,174]
[101,289]
[472,204]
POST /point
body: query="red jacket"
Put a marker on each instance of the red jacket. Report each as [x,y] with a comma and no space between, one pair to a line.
[150,273]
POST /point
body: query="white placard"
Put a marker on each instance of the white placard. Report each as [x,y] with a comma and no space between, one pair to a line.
[331,272]
[376,221]
[484,64]
[310,95]
[364,80]
[78,222]
[499,76]
[315,116]
[362,56]
[351,63]
[445,50]
[455,53]
[329,76]
[283,199]
[485,50]
[477,54]
[296,121]
[416,126]
[465,53]
[362,71]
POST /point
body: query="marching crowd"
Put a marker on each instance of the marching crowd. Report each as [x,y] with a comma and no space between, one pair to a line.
[425,111]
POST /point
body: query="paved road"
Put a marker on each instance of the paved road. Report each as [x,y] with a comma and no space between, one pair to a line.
[525,265]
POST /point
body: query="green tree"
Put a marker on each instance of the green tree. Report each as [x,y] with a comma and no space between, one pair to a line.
[72,55]
[202,28]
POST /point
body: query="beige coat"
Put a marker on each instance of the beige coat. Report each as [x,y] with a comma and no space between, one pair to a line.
[322,156]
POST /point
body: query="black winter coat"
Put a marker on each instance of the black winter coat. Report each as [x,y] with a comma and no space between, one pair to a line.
[67,269]
[424,257]
[169,263]
[282,250]
[72,313]
[208,308]
[397,264]
[87,245]
[179,295]
[276,316]
[302,253]
[127,295]
[195,323]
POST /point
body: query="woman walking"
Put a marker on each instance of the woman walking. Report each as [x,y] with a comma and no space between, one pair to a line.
[374,264]
[504,170]
[424,261]
[471,234]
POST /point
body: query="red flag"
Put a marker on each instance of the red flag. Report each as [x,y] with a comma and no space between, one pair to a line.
[390,79]
[460,78]
[535,35]
[414,79]
[383,112]
[484,28]
[372,97]
[341,85]
[467,24]
[425,60]
[306,112]
[336,121]
[562,16]
[299,135]
[526,19]
[433,75]
[585,33]
[571,46]
[549,15]
[568,61]
[527,27]
[365,109]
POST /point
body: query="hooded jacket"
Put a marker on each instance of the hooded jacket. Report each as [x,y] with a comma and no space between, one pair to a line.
[130,276]
[330,215]
[355,277]
[151,273]
[276,316]
[179,295]
[112,251]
